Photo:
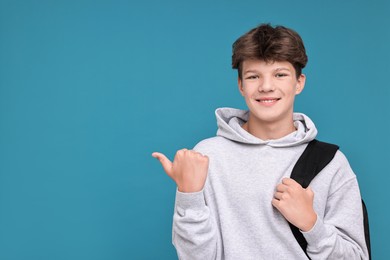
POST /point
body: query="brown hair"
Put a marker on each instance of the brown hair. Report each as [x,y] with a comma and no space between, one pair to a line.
[270,44]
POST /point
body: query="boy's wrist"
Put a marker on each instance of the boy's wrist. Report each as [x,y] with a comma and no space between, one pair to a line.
[310,222]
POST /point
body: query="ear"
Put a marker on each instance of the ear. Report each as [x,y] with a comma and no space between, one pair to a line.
[300,84]
[240,86]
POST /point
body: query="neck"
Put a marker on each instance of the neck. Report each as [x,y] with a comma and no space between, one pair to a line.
[269,130]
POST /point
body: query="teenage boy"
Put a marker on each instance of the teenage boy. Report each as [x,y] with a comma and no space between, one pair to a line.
[234,196]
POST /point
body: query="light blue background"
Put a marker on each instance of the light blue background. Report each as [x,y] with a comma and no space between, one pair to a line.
[89,89]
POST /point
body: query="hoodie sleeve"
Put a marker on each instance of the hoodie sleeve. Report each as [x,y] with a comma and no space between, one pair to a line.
[194,235]
[339,233]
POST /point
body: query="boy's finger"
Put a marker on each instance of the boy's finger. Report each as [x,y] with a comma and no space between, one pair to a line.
[290,182]
[165,162]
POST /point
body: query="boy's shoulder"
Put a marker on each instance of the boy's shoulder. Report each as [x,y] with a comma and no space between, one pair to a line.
[210,142]
[341,163]
[212,145]
[336,175]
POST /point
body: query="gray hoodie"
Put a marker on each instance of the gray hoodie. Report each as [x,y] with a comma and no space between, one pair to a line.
[233,218]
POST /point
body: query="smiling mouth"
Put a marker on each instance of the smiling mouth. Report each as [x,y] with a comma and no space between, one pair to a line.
[267,100]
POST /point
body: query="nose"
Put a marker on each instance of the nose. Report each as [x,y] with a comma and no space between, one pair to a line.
[266,85]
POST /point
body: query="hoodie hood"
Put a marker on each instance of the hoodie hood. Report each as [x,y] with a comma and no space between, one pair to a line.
[230,121]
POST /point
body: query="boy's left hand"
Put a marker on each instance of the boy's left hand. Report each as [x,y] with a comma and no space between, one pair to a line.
[295,204]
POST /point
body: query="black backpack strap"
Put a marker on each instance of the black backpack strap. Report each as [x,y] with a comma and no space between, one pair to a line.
[366,229]
[315,157]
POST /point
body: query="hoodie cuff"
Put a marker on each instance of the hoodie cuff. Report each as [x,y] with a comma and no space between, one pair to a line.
[191,200]
[316,234]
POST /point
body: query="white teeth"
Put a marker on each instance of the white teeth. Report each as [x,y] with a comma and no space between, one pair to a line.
[268,100]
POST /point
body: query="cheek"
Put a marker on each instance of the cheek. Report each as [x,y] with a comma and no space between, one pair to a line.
[244,92]
[290,91]
[291,97]
[246,95]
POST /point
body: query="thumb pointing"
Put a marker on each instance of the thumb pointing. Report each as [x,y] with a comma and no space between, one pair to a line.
[165,162]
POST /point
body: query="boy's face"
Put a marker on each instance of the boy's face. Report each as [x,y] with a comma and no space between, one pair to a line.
[269,90]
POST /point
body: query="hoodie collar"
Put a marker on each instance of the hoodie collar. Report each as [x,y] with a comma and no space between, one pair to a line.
[230,121]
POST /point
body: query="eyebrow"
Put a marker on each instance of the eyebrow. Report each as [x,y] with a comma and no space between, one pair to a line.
[250,71]
[277,69]
[282,68]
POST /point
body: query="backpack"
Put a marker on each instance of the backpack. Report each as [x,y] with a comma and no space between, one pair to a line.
[315,157]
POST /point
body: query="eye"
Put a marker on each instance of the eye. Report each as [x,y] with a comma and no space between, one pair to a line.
[252,77]
[281,75]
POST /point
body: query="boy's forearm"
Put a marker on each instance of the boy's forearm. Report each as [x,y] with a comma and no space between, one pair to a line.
[194,234]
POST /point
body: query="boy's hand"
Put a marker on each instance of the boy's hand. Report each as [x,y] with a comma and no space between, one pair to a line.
[188,169]
[295,204]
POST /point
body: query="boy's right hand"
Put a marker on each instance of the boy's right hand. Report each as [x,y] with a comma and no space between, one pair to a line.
[188,169]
